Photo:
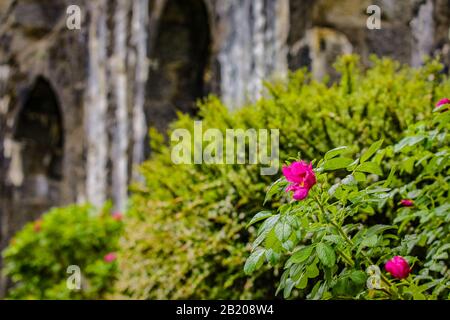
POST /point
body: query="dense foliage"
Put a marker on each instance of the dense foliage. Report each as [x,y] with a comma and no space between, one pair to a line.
[38,257]
[186,233]
[186,236]
[337,240]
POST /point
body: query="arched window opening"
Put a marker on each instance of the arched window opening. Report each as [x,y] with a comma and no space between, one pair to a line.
[179,61]
[40,140]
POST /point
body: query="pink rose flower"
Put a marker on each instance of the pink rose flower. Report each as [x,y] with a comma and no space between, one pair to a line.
[407,202]
[118,216]
[110,257]
[301,177]
[300,193]
[398,267]
[442,102]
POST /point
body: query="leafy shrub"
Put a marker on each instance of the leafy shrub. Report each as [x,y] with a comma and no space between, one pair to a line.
[325,253]
[186,236]
[38,256]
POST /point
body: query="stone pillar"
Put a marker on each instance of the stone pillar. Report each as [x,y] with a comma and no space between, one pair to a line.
[96,104]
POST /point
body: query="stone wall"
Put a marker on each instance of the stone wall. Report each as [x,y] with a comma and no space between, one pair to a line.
[75,105]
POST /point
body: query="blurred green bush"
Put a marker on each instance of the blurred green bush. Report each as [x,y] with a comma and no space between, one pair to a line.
[38,256]
[186,234]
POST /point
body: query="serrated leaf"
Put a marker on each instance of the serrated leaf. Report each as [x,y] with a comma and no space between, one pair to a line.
[358,277]
[288,245]
[268,224]
[295,271]
[390,177]
[342,286]
[335,152]
[314,294]
[378,228]
[371,151]
[271,241]
[408,165]
[440,256]
[301,255]
[260,216]
[273,189]
[370,167]
[408,141]
[288,288]
[260,239]
[370,241]
[283,230]
[359,176]
[326,254]
[353,165]
[272,256]
[337,163]
[283,279]
[333,238]
[312,271]
[379,155]
[303,282]
[254,261]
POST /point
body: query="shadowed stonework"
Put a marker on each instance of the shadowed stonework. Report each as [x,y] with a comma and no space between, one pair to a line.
[36,161]
[179,60]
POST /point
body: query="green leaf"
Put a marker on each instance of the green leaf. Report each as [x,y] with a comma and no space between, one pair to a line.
[283,230]
[312,271]
[370,241]
[408,141]
[378,158]
[315,294]
[326,254]
[370,167]
[296,271]
[271,241]
[371,151]
[342,286]
[288,245]
[335,152]
[352,166]
[408,164]
[301,255]
[378,228]
[337,163]
[260,216]
[359,176]
[390,178]
[255,261]
[303,282]
[272,256]
[273,189]
[288,288]
[358,277]
[268,224]
[334,238]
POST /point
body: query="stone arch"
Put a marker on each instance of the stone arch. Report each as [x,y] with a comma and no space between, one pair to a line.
[179,61]
[36,167]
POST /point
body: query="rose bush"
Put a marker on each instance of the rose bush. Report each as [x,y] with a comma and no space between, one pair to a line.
[327,252]
[38,257]
[189,240]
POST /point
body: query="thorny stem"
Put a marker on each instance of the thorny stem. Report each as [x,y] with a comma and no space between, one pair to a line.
[350,242]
